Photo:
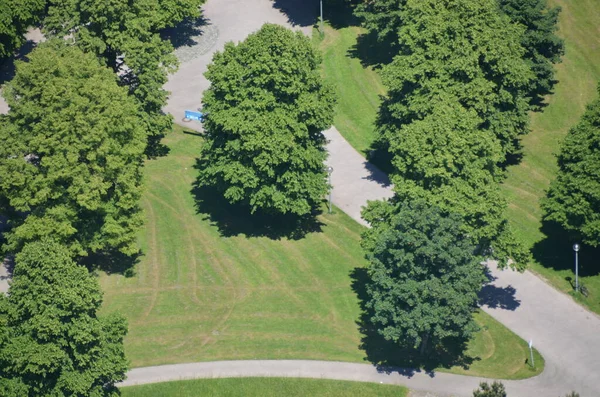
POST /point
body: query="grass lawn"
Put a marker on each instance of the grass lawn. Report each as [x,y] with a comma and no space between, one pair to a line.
[578,76]
[263,387]
[203,292]
[358,89]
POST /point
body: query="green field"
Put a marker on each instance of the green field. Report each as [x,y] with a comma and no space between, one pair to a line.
[526,183]
[357,88]
[208,288]
[263,387]
[578,76]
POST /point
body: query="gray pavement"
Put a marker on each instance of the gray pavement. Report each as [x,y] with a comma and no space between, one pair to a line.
[565,333]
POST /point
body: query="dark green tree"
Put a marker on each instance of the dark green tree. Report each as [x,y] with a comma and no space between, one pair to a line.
[485,390]
[381,17]
[72,154]
[424,276]
[52,343]
[266,108]
[15,17]
[125,35]
[573,199]
[543,47]
[464,48]
[446,160]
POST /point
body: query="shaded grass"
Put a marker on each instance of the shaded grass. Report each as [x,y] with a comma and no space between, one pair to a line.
[357,88]
[198,294]
[260,387]
[527,182]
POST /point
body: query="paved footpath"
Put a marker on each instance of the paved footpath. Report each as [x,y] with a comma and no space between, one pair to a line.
[565,333]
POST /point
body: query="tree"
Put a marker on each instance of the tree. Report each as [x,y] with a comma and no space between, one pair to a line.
[485,390]
[265,110]
[573,199]
[423,275]
[72,154]
[543,47]
[125,35]
[15,17]
[446,160]
[382,17]
[52,343]
[464,48]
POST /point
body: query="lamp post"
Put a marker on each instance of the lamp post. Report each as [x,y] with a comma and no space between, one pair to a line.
[329,171]
[322,31]
[576,249]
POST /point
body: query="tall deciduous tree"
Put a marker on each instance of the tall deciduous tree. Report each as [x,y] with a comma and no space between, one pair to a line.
[543,47]
[52,343]
[573,199]
[446,160]
[424,275]
[266,108]
[124,34]
[72,153]
[465,48]
[15,17]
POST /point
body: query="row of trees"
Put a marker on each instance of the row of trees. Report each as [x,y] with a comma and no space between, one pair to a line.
[465,75]
[85,110]
[70,183]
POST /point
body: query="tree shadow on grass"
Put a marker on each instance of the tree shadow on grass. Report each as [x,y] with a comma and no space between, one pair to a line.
[373,52]
[340,13]
[389,356]
[555,251]
[233,220]
[112,262]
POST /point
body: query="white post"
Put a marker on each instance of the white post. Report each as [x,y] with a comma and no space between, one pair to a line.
[322,31]
[531,352]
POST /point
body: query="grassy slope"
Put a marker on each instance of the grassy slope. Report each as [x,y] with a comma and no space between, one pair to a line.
[200,296]
[578,76]
[357,88]
[263,387]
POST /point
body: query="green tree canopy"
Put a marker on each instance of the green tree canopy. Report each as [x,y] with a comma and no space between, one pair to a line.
[72,153]
[464,48]
[543,47]
[52,343]
[125,35]
[496,389]
[573,200]
[423,275]
[266,108]
[446,160]
[15,17]
[382,17]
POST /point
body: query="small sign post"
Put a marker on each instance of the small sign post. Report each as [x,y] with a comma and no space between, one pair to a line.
[531,352]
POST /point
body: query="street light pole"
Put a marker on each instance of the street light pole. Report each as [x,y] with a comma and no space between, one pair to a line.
[330,171]
[576,249]
[322,31]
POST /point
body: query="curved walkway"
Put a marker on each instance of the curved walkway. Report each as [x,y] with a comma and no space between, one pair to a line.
[564,332]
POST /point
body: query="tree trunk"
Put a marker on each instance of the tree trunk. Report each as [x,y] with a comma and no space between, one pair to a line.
[424,342]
